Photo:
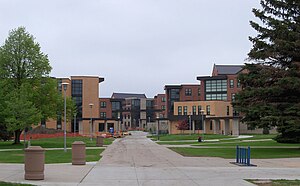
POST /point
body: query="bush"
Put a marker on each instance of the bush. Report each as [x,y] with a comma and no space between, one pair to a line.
[4,134]
[282,139]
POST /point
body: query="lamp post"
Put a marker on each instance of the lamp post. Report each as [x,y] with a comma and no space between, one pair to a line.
[157,128]
[65,85]
[190,122]
[74,123]
[91,122]
[203,126]
[119,126]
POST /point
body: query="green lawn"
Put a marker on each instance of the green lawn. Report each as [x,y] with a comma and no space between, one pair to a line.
[51,156]
[277,182]
[54,142]
[13,184]
[178,137]
[234,143]
[256,153]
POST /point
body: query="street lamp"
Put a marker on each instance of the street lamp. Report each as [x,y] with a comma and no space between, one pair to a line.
[203,126]
[190,122]
[157,128]
[91,122]
[74,123]
[65,85]
[119,126]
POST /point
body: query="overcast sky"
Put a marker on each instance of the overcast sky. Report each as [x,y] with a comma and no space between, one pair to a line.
[136,45]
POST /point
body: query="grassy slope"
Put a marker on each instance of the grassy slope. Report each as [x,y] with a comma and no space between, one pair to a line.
[51,156]
[54,142]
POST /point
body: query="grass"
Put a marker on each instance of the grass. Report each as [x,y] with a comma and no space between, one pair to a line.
[275,182]
[13,184]
[51,156]
[234,143]
[229,153]
[178,137]
[54,142]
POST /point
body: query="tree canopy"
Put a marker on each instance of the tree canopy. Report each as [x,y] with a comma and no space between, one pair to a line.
[28,93]
[271,86]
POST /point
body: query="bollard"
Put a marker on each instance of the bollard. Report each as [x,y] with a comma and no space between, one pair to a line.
[99,141]
[78,153]
[34,163]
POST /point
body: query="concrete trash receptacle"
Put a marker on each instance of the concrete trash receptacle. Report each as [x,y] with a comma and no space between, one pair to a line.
[78,153]
[34,163]
[99,142]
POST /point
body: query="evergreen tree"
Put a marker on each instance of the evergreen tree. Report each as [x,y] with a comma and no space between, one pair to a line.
[271,87]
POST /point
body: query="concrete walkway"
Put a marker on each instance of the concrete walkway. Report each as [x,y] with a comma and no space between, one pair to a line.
[136,160]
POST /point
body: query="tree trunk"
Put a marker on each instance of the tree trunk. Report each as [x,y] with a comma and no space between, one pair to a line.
[17,136]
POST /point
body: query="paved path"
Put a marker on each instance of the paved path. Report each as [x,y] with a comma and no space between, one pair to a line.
[136,160]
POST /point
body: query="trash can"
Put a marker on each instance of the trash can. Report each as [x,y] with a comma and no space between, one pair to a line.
[199,139]
[34,163]
[99,141]
[78,153]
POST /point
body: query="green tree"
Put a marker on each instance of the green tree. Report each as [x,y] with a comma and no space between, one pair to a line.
[24,70]
[271,86]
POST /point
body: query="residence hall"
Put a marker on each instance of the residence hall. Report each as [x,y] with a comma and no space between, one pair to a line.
[84,90]
[208,108]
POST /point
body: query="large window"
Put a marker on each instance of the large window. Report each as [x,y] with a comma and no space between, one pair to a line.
[115,106]
[179,110]
[216,90]
[216,85]
[184,110]
[77,87]
[216,97]
[188,92]
[163,99]
[199,91]
[238,83]
[163,107]
[174,93]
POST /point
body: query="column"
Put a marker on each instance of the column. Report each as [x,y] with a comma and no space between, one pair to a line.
[236,127]
[216,126]
[226,127]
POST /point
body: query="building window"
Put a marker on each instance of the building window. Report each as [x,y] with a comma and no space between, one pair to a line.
[179,110]
[238,83]
[216,85]
[103,104]
[163,99]
[211,125]
[232,97]
[209,97]
[227,111]
[208,110]
[184,110]
[199,92]
[163,107]
[236,113]
[125,116]
[115,106]
[199,109]
[231,83]
[102,114]
[194,110]
[101,127]
[188,92]
[174,94]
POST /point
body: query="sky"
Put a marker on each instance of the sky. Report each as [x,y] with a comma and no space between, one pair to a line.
[138,46]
